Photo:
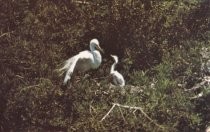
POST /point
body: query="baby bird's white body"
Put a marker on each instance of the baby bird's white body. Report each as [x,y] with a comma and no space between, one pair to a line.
[118,79]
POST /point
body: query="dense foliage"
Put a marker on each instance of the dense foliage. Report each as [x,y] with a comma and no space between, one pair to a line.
[158,43]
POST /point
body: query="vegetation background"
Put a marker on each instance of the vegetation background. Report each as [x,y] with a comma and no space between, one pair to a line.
[158,43]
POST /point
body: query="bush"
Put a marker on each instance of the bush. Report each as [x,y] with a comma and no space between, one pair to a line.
[158,43]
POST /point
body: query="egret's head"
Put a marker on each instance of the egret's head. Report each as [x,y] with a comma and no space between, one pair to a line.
[94,44]
[115,58]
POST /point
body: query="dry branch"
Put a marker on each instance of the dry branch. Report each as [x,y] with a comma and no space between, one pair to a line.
[107,113]
[206,81]
[28,87]
[197,86]
[81,2]
[4,34]
[130,107]
[122,114]
[197,96]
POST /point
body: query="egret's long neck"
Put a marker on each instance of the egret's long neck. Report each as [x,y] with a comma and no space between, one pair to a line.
[113,67]
[96,55]
[92,47]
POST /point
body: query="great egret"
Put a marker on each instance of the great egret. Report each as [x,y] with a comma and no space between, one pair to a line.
[116,76]
[83,61]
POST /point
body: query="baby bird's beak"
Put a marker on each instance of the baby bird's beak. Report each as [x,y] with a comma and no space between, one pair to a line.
[100,49]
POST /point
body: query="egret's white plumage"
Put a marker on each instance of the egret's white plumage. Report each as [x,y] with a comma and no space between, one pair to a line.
[83,61]
[116,76]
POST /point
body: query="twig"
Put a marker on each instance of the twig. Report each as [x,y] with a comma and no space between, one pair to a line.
[19,76]
[82,2]
[206,81]
[134,114]
[122,114]
[127,106]
[130,107]
[197,86]
[92,109]
[138,108]
[108,113]
[4,34]
[32,86]
[197,96]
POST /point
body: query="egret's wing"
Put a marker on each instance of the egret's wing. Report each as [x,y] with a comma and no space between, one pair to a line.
[70,61]
[85,61]
[85,55]
[76,62]
[70,66]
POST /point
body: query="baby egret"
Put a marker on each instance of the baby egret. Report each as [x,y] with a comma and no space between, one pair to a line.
[116,76]
[83,61]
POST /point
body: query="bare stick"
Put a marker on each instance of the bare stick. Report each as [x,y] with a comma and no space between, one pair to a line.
[197,96]
[82,2]
[92,109]
[122,114]
[107,113]
[134,114]
[4,34]
[127,106]
[206,80]
[28,87]
[19,76]
[197,86]
[130,107]
[138,108]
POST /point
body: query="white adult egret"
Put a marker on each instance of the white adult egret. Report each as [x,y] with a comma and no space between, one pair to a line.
[83,61]
[116,76]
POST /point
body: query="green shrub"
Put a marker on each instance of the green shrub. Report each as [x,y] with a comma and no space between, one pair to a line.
[158,43]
